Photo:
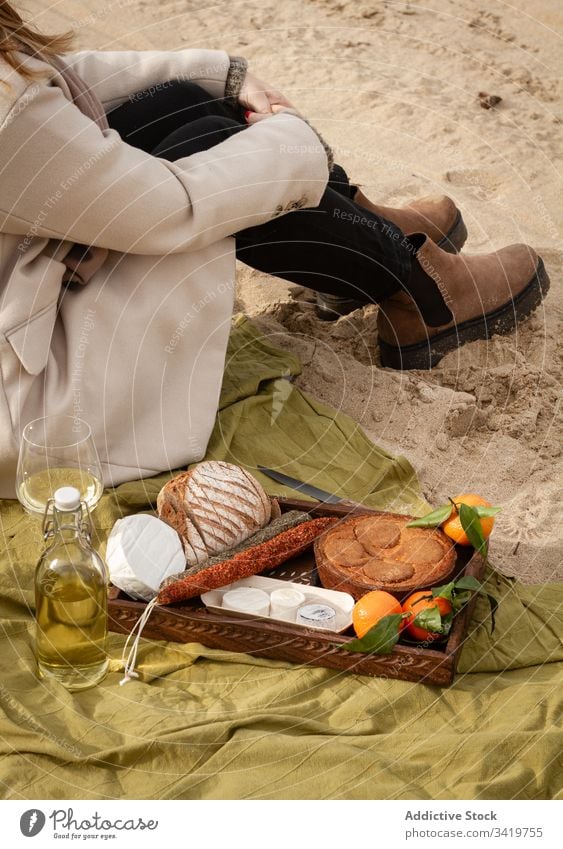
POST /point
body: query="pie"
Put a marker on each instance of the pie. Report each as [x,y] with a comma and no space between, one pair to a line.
[378,552]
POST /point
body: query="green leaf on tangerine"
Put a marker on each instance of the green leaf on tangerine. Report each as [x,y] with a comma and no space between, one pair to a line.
[471,524]
[433,519]
[459,593]
[447,620]
[468,582]
[445,591]
[380,639]
[429,619]
[482,512]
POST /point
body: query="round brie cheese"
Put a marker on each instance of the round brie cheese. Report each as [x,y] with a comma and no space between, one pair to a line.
[141,552]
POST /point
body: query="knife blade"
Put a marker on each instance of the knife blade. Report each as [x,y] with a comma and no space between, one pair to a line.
[305,488]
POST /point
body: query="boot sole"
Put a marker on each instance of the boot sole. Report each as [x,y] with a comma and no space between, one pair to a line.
[331,307]
[456,238]
[427,354]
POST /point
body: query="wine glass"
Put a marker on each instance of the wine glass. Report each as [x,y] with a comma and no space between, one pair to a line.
[57,451]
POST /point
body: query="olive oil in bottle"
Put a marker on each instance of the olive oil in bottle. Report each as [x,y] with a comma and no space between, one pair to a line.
[71,591]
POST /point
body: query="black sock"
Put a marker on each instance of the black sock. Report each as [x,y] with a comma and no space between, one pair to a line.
[424,291]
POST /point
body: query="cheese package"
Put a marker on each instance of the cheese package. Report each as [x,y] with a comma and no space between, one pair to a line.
[141,552]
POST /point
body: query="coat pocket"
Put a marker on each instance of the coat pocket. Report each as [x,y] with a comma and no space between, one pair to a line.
[31,340]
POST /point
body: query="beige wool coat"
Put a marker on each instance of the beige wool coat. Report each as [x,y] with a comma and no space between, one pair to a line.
[138,351]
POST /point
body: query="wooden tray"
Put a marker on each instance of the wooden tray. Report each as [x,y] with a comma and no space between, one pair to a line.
[190,621]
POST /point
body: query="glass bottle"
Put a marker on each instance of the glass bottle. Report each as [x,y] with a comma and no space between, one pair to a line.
[71,597]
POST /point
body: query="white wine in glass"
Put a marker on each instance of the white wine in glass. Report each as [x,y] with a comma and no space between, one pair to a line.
[57,451]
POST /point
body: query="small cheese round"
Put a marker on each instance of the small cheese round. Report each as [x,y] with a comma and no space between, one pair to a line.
[285,602]
[247,600]
[141,552]
[316,615]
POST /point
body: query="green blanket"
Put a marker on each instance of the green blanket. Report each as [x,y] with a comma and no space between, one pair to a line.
[203,723]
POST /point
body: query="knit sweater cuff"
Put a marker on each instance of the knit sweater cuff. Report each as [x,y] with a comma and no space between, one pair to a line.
[235,78]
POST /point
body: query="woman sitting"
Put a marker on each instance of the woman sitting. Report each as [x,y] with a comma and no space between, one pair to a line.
[131,181]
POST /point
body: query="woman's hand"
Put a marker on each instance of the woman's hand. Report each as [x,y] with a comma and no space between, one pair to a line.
[260,98]
[254,117]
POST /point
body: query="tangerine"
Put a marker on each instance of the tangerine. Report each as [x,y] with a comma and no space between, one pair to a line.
[422,600]
[452,527]
[371,608]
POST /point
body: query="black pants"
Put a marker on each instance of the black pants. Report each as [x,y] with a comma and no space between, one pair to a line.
[338,247]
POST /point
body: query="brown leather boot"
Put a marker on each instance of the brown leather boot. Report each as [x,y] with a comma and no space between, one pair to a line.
[486,294]
[437,216]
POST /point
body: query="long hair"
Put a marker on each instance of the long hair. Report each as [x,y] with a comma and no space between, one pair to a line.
[14,32]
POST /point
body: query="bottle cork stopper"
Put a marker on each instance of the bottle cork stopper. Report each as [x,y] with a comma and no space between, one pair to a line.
[67,498]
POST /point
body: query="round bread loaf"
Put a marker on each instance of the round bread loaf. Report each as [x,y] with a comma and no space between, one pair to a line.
[213,507]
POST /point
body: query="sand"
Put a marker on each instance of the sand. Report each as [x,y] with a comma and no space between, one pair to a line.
[394,88]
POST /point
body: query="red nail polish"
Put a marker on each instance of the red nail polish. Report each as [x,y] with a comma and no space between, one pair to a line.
[246,114]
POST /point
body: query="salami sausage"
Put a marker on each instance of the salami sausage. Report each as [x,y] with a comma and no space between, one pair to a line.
[252,561]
